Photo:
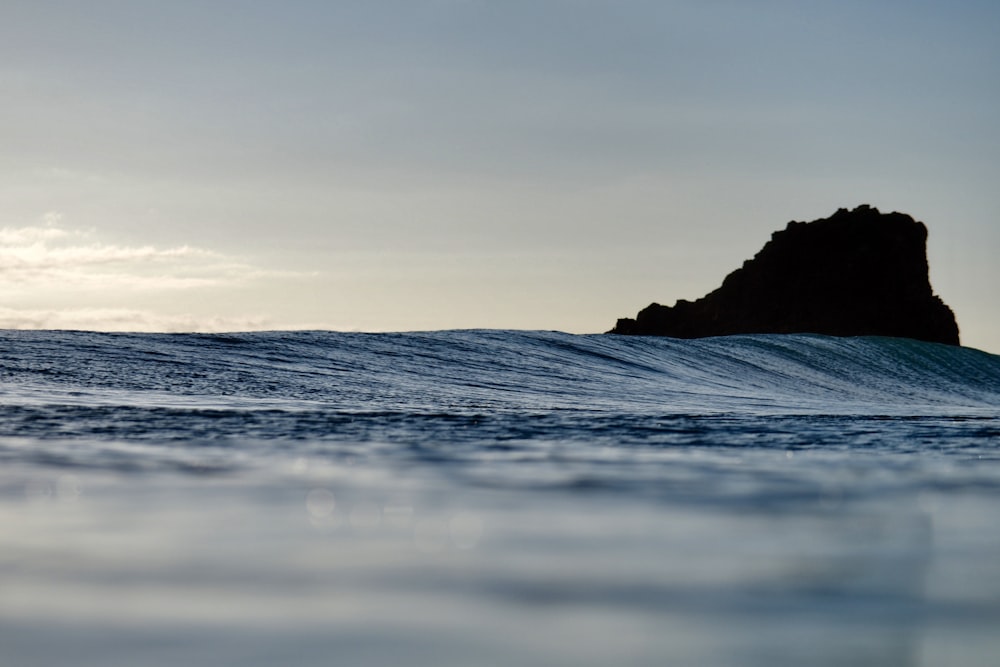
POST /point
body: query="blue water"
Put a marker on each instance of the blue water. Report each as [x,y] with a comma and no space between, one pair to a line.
[497,498]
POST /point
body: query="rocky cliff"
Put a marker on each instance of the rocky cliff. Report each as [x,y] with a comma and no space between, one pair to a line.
[856,273]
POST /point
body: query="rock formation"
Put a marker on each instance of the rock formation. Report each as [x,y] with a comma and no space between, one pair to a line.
[856,273]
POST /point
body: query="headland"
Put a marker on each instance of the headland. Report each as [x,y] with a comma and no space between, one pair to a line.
[857,273]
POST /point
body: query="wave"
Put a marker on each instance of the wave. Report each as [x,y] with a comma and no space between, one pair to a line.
[478,371]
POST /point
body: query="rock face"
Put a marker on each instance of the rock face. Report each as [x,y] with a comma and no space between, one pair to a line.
[856,273]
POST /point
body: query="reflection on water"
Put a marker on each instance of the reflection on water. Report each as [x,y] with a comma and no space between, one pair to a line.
[750,557]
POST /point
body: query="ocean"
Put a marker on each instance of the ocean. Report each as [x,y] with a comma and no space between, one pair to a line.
[496,498]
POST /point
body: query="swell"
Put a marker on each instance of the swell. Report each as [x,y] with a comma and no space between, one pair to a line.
[483,371]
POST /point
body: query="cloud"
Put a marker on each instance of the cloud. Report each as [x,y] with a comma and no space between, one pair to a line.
[125,319]
[56,277]
[50,255]
[25,236]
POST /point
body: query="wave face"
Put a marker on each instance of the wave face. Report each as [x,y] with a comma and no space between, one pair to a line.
[281,497]
[414,389]
[473,371]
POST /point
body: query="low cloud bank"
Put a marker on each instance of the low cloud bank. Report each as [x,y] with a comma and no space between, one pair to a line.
[45,265]
[50,255]
[124,319]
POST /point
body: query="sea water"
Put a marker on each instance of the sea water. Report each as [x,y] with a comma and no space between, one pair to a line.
[496,498]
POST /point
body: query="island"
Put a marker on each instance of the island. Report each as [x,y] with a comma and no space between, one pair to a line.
[859,272]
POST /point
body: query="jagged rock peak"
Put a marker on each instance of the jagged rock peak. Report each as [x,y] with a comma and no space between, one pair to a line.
[857,273]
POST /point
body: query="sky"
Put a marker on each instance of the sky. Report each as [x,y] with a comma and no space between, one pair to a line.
[223,165]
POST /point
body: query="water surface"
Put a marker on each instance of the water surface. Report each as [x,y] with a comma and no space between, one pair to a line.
[496,497]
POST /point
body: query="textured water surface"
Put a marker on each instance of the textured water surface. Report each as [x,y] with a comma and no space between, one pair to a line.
[495,498]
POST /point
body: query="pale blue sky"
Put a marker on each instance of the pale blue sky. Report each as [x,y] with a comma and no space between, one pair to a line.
[456,163]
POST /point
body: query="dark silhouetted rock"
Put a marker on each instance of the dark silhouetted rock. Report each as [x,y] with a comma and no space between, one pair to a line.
[856,273]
